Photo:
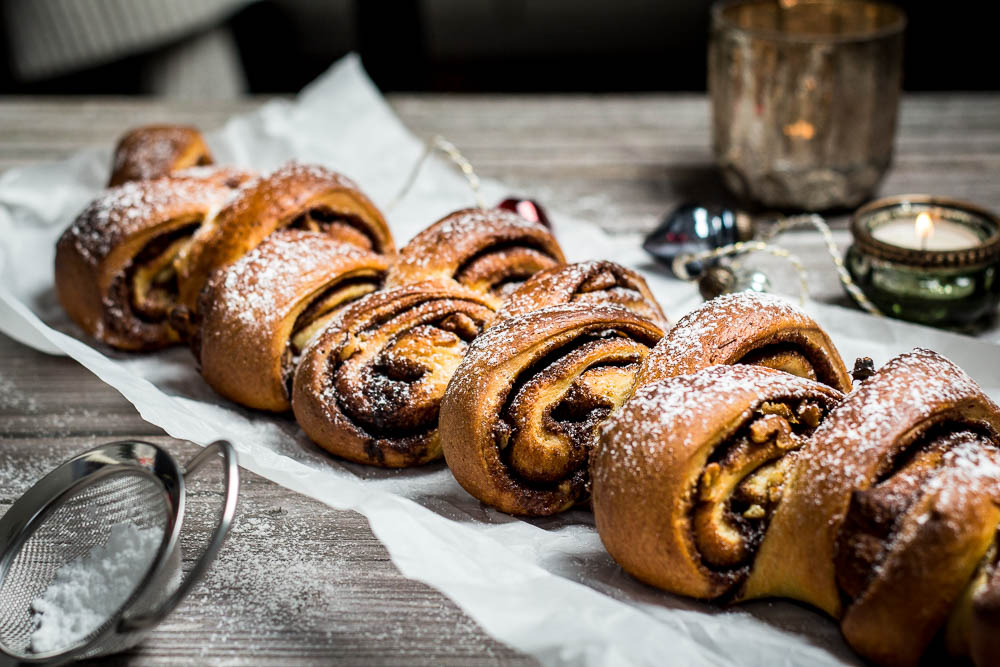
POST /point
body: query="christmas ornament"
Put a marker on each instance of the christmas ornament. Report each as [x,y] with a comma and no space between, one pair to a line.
[528,209]
[718,280]
[691,229]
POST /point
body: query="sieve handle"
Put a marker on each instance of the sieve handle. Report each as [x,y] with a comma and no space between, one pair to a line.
[231,473]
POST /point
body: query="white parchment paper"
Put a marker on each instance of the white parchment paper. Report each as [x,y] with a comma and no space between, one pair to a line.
[546,587]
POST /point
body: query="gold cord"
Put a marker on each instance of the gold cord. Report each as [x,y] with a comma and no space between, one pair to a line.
[781,226]
[440,143]
[742,247]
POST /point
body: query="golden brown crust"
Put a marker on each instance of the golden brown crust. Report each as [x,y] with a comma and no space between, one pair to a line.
[870,432]
[519,417]
[747,327]
[488,251]
[672,465]
[590,283]
[299,196]
[982,642]
[230,177]
[252,311]
[931,555]
[154,151]
[370,387]
[96,257]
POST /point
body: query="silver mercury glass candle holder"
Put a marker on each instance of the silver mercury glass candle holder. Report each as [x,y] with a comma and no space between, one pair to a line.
[805,95]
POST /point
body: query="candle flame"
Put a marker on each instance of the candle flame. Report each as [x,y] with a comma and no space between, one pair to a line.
[924,226]
[800,129]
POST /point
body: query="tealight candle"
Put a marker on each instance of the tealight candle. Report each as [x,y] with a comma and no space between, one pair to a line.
[926,233]
[927,259]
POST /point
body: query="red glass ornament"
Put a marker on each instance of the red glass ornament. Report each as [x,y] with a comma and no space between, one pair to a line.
[527,209]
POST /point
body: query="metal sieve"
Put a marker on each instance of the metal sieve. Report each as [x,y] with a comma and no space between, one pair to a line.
[72,510]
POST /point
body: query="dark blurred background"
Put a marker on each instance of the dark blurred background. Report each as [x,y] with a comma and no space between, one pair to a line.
[224,48]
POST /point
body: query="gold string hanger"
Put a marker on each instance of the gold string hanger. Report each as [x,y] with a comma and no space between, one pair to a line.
[439,143]
[763,245]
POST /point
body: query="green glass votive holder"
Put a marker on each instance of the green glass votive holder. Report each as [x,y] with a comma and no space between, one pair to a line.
[927,259]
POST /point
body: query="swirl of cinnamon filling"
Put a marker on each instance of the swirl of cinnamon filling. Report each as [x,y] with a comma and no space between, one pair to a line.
[689,472]
[154,151]
[891,518]
[519,419]
[116,265]
[261,312]
[591,283]
[488,251]
[747,328]
[296,196]
[370,387]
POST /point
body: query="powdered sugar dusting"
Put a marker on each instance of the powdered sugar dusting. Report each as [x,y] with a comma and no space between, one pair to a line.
[257,289]
[129,208]
[966,463]
[449,241]
[668,413]
[693,329]
[859,435]
[562,284]
[497,344]
[482,220]
[150,152]
[297,171]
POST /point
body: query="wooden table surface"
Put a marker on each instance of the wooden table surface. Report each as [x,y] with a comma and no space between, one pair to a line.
[299,582]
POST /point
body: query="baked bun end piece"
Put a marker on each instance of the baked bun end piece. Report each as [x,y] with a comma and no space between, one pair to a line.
[890,519]
[116,265]
[747,328]
[690,471]
[488,251]
[296,196]
[370,387]
[520,416]
[154,151]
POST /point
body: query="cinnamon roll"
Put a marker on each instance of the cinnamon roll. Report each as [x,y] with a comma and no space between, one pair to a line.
[591,283]
[116,265]
[891,516]
[261,312]
[691,470]
[296,196]
[154,151]
[747,328]
[488,251]
[370,387]
[518,421]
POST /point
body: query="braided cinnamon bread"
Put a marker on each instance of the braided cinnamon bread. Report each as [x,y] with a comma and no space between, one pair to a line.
[690,472]
[891,516]
[259,313]
[592,283]
[519,418]
[747,328]
[488,251]
[730,483]
[370,388]
[298,196]
[154,151]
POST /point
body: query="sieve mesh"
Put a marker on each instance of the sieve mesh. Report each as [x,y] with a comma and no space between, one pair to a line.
[80,522]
